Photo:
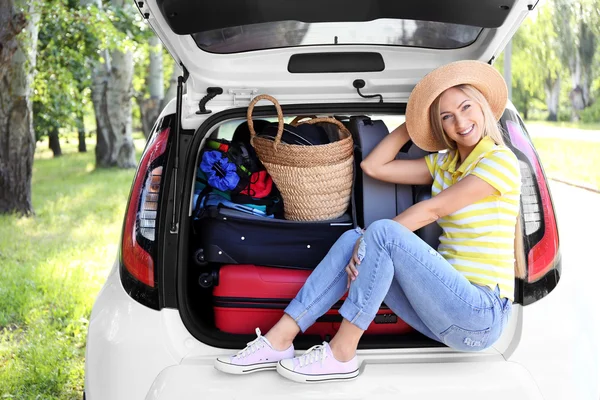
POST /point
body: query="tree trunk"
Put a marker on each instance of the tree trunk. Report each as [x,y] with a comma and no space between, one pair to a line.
[586,92]
[155,76]
[587,52]
[172,89]
[552,88]
[82,148]
[99,89]
[150,108]
[54,143]
[111,96]
[577,102]
[148,113]
[17,138]
[119,105]
[576,94]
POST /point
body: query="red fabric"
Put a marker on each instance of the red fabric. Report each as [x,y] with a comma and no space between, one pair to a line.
[224,147]
[260,185]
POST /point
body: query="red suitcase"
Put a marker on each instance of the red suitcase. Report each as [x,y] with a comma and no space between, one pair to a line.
[249,296]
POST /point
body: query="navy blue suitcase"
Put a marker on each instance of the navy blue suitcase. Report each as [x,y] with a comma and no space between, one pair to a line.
[228,236]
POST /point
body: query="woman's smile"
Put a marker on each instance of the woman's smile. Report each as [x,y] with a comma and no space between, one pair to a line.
[467,131]
[462,120]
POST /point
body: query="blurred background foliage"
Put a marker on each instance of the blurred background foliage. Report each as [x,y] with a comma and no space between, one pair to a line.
[555,62]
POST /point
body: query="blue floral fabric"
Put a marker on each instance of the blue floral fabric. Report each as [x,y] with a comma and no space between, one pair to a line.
[220,171]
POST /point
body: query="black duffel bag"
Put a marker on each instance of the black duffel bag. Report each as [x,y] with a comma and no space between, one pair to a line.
[304,134]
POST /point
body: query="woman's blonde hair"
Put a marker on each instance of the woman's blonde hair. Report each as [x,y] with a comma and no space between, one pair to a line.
[492,129]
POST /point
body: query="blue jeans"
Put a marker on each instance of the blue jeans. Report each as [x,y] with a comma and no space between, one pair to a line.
[413,280]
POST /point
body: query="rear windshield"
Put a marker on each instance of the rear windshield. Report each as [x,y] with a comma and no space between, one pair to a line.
[394,32]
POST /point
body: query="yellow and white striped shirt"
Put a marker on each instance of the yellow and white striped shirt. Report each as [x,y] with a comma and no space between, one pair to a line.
[478,240]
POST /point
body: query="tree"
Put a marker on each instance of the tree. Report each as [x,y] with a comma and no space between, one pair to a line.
[537,68]
[66,41]
[152,92]
[154,85]
[112,91]
[575,23]
[588,44]
[18,37]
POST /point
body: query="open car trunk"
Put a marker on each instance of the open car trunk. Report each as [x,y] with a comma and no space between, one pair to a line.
[240,270]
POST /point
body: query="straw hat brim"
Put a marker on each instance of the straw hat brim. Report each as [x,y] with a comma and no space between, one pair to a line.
[476,73]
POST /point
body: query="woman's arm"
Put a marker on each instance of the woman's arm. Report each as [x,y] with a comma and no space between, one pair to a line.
[381,164]
[468,191]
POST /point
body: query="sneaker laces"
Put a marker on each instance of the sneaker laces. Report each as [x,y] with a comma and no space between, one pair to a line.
[252,346]
[315,353]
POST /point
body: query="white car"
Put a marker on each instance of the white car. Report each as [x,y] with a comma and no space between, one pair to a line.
[155,328]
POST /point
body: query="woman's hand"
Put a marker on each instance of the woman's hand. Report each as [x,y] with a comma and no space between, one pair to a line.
[381,163]
[351,268]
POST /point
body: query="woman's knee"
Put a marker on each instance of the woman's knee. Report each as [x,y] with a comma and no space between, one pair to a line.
[386,228]
[348,239]
[353,233]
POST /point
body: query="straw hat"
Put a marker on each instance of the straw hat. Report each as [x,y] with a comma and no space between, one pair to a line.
[476,73]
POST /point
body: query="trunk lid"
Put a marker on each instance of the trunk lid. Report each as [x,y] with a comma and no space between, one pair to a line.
[312,52]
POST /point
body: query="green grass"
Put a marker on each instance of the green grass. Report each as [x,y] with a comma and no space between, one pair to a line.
[52,266]
[570,160]
[563,124]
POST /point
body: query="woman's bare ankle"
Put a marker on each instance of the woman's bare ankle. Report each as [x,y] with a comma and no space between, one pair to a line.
[283,333]
[277,342]
[344,343]
[342,353]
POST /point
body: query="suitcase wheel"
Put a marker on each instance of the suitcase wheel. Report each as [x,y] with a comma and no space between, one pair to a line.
[199,258]
[208,279]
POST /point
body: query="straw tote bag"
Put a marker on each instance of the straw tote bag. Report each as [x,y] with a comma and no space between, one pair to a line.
[315,181]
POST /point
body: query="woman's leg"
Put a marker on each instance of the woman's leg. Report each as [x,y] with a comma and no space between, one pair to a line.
[401,306]
[442,301]
[282,334]
[323,288]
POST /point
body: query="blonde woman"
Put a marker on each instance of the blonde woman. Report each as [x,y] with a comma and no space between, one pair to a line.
[460,293]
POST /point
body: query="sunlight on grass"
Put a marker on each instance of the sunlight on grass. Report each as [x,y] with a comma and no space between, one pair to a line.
[570,160]
[52,267]
[565,124]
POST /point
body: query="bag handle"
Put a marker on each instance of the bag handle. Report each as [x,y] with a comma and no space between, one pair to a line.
[299,118]
[342,127]
[279,118]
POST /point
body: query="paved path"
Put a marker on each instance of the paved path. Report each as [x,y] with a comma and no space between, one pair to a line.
[578,215]
[566,323]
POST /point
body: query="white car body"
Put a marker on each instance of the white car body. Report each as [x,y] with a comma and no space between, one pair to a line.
[134,352]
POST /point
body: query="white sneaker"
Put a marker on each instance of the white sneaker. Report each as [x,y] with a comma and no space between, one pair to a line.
[258,355]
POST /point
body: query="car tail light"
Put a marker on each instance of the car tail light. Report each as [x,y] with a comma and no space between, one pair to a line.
[541,232]
[139,233]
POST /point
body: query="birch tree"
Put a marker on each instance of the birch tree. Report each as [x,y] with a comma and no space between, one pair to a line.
[111,97]
[156,82]
[18,36]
